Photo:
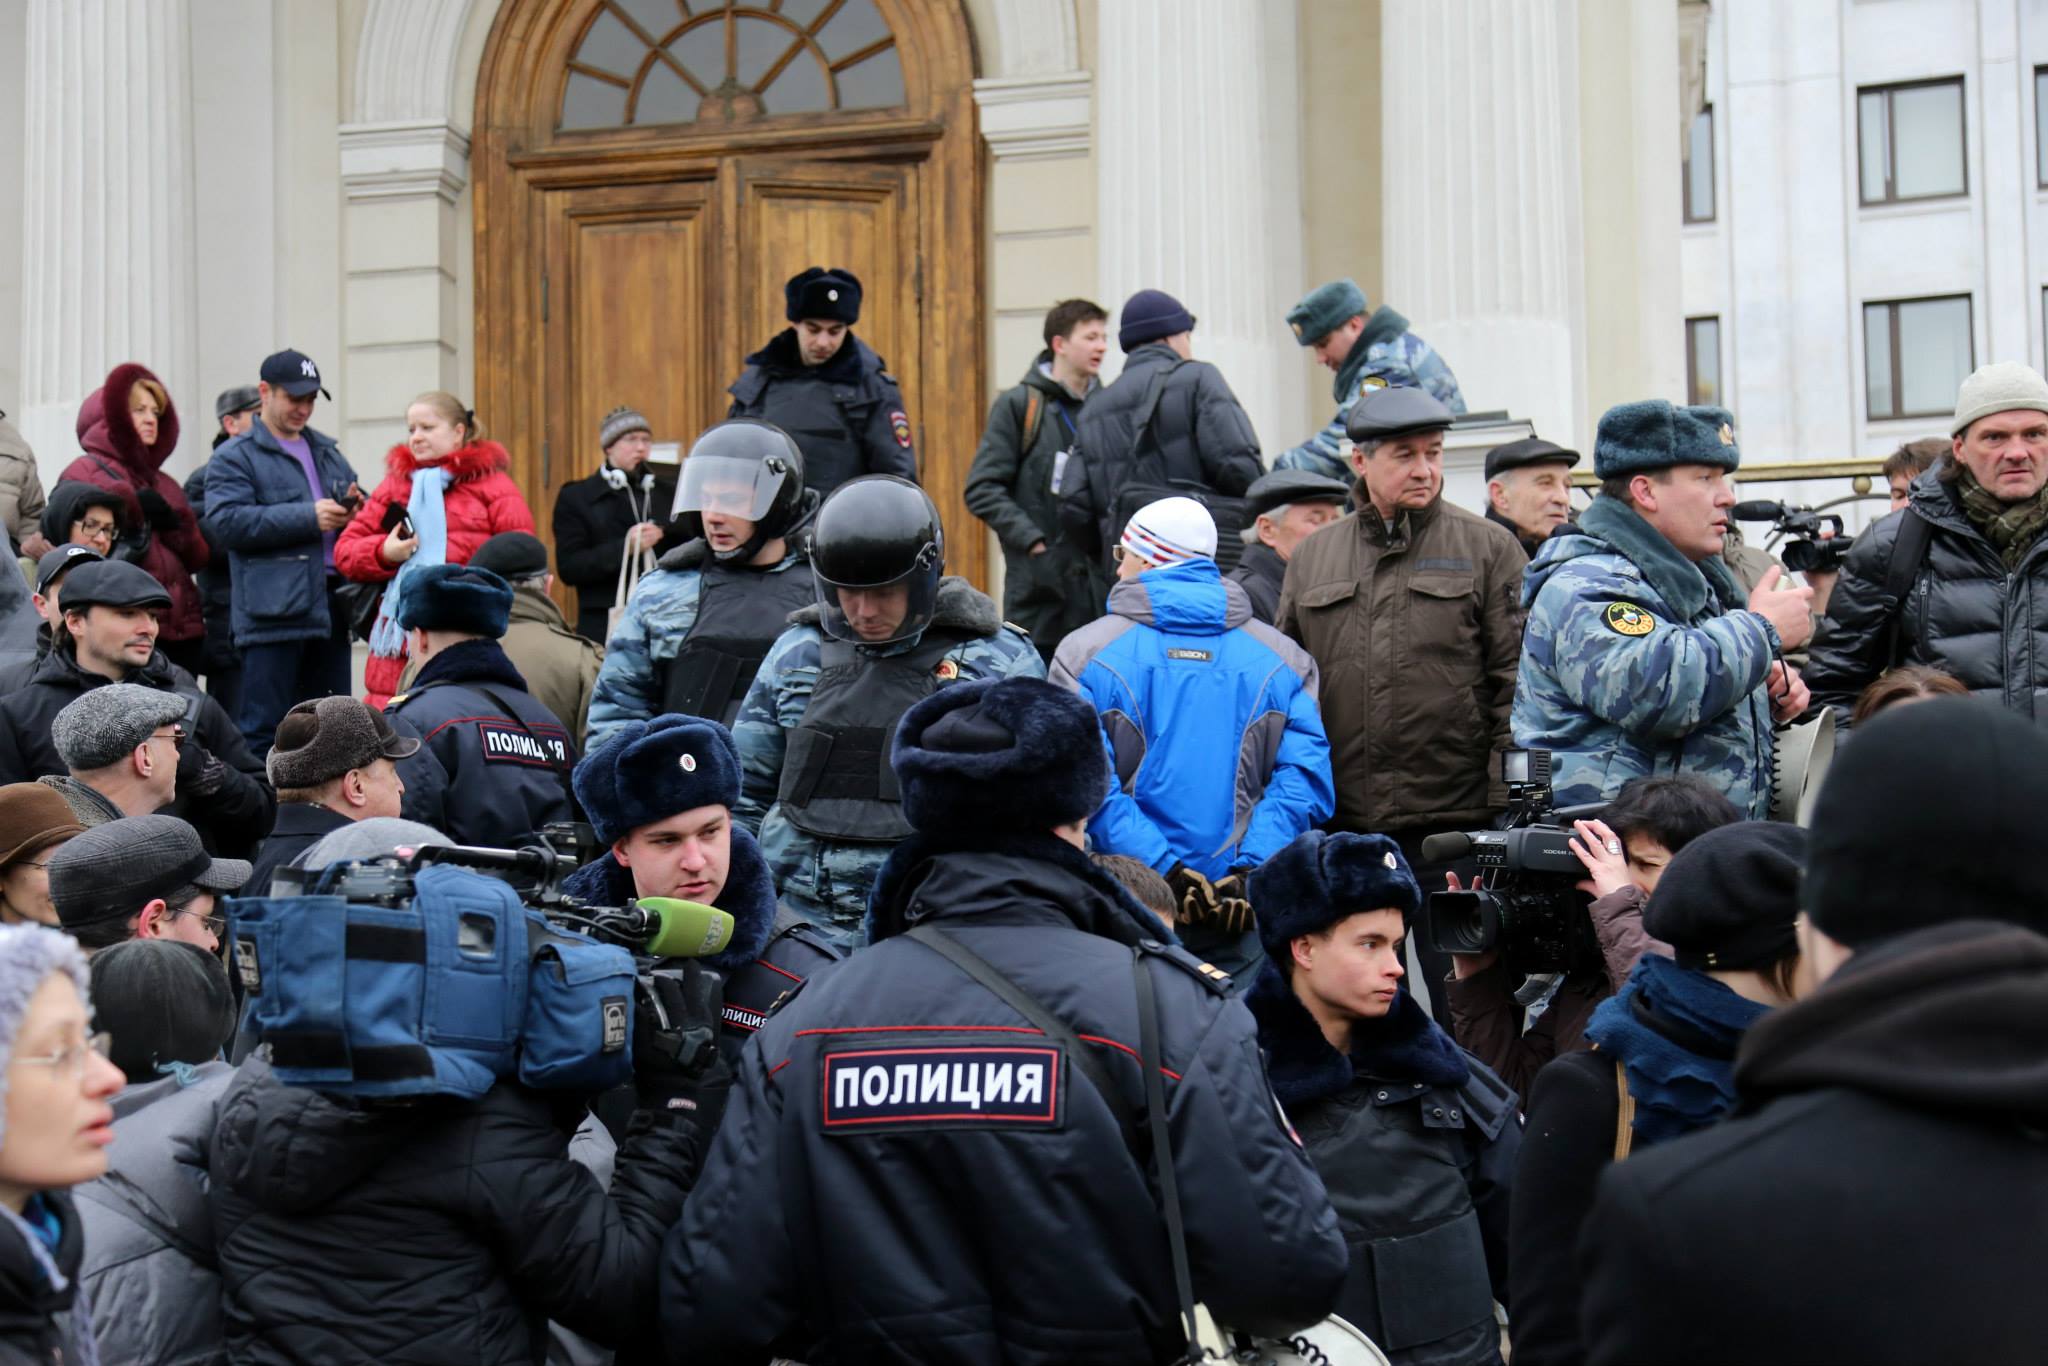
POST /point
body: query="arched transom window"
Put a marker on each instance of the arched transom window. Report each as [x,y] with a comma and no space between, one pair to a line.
[671,61]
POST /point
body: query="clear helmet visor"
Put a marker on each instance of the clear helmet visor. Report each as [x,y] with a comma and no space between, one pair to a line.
[732,487]
[879,614]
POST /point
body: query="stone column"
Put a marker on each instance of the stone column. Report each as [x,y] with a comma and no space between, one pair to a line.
[108,261]
[1198,182]
[1481,186]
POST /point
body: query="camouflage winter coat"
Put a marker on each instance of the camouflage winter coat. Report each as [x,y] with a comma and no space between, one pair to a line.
[1385,354]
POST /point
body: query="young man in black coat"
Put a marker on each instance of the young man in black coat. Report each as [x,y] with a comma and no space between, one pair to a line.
[595,515]
[1881,1193]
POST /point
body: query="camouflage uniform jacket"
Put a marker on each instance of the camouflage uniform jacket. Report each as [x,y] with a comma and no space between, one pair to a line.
[826,881]
[1385,354]
[1637,661]
[650,632]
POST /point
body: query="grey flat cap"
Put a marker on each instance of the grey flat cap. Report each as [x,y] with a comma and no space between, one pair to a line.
[102,724]
[243,399]
[1282,487]
[1392,412]
[377,837]
[112,871]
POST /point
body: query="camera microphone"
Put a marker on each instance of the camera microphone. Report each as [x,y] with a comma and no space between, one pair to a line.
[1448,847]
[684,929]
[1758,511]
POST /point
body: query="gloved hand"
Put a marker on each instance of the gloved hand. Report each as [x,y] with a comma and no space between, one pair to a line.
[1233,906]
[676,1065]
[157,510]
[1194,895]
[199,773]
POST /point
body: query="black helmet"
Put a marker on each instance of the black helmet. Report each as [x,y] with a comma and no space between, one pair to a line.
[876,532]
[751,469]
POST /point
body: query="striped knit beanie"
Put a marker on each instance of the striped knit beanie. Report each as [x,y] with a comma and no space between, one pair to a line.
[1171,531]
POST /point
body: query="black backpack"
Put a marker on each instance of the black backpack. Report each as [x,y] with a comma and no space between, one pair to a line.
[1146,480]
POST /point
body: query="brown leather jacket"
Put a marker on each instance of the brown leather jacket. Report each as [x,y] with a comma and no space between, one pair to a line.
[1418,634]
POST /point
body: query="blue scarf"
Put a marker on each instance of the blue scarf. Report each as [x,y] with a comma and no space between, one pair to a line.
[430,525]
[1676,1089]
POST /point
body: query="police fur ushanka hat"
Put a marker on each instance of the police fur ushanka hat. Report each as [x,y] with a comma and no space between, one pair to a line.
[455,597]
[1654,434]
[999,756]
[827,295]
[1320,879]
[647,771]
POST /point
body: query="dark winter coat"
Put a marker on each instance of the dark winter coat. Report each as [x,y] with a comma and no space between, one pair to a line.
[1020,1231]
[1260,572]
[230,819]
[150,1271]
[260,507]
[115,458]
[216,584]
[847,415]
[1416,1142]
[1205,441]
[38,1325]
[1010,487]
[435,1232]
[300,826]
[1879,1196]
[591,519]
[1965,613]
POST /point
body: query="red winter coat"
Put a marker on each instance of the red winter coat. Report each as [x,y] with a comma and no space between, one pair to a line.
[116,459]
[481,502]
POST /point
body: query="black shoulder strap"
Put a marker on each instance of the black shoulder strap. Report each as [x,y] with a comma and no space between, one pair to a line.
[1909,552]
[1151,1060]
[1025,1004]
[1150,407]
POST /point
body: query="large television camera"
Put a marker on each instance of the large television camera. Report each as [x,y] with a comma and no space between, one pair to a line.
[1808,551]
[1530,908]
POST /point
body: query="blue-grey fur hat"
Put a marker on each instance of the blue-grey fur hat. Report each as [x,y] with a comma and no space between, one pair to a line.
[455,597]
[1638,438]
[1324,309]
[999,756]
[647,771]
[28,955]
[1319,879]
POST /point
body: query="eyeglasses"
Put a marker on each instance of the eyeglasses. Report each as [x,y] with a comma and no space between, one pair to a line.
[1117,553]
[176,737]
[110,530]
[71,1058]
[217,924]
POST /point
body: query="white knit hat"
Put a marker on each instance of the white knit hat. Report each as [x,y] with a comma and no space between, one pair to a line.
[1998,388]
[1170,531]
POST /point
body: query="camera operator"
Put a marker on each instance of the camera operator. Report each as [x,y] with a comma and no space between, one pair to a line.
[440,1229]
[1624,853]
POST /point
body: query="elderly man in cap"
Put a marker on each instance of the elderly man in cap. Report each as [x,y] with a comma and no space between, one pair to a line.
[335,761]
[819,382]
[623,502]
[1411,606]
[1958,581]
[141,877]
[120,747]
[1642,654]
[495,765]
[560,667]
[108,635]
[1367,353]
[1281,510]
[1529,489]
[929,1153]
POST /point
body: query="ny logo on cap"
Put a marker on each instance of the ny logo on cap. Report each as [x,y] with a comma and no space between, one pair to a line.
[308,369]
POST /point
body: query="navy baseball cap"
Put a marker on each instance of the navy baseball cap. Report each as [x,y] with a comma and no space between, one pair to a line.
[293,372]
[54,563]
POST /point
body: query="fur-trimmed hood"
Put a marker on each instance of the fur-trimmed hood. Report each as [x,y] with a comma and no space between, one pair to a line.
[748,897]
[470,462]
[1404,1045]
[106,429]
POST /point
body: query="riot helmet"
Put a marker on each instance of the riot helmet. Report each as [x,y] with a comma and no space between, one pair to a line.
[748,469]
[874,534]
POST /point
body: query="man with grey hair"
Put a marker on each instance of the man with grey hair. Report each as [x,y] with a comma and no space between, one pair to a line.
[142,877]
[333,763]
[120,746]
[1281,509]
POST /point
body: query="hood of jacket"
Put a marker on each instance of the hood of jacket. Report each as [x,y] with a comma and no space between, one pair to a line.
[1951,1018]
[106,429]
[1032,874]
[1402,1045]
[68,502]
[748,897]
[470,661]
[471,462]
[1040,377]
[1608,527]
[783,356]
[1190,598]
[957,606]
[290,1149]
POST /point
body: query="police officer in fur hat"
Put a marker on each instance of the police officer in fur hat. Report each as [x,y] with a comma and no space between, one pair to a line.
[818,381]
[934,1142]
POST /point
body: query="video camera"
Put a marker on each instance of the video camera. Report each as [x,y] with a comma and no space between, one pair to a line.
[442,969]
[1532,910]
[1809,552]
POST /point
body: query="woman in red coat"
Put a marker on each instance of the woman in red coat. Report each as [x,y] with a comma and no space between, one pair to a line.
[447,487]
[128,428]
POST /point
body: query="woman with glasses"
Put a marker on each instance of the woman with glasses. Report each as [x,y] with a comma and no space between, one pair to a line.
[79,514]
[34,822]
[54,1133]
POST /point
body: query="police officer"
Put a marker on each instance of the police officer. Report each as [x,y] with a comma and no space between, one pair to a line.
[1641,655]
[886,629]
[1281,509]
[827,387]
[930,1152]
[660,793]
[695,630]
[494,765]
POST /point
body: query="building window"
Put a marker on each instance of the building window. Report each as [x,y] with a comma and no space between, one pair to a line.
[1911,141]
[2041,126]
[1699,168]
[1703,361]
[1915,353]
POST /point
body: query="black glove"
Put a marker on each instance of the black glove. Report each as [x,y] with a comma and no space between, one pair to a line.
[199,773]
[157,510]
[676,1065]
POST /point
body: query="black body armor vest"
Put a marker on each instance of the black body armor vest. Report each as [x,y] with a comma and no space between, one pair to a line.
[740,612]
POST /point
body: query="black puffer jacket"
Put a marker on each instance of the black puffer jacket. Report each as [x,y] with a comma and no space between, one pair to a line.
[1965,613]
[437,1232]
[37,1324]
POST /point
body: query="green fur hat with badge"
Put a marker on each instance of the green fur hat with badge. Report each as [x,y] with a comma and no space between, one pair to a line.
[1651,435]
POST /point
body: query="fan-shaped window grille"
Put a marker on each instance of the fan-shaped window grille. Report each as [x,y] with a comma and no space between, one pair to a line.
[665,61]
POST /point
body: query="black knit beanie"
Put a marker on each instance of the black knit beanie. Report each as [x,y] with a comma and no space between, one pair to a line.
[1730,897]
[163,1001]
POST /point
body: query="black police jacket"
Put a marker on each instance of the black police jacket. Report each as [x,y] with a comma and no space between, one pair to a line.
[494,763]
[909,1172]
[846,415]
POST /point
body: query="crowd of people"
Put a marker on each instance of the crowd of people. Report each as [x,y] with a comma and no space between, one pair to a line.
[1067,986]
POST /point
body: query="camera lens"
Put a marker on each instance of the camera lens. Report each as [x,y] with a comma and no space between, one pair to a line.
[1463,922]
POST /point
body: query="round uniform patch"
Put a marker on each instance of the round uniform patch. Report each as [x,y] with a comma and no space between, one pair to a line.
[1388,859]
[1625,618]
[689,763]
[900,425]
[946,671]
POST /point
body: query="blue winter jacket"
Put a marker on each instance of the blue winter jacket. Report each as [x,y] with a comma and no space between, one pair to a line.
[260,507]
[1210,719]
